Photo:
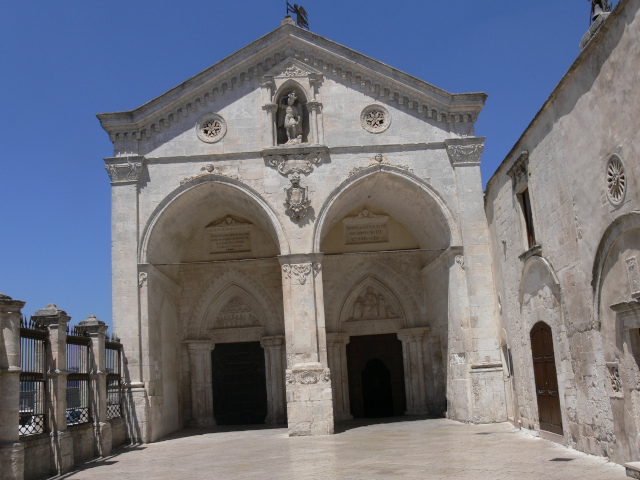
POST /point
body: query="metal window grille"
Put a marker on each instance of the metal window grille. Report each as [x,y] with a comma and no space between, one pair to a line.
[114,372]
[33,337]
[78,378]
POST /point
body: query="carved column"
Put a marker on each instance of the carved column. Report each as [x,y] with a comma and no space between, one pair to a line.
[314,108]
[201,383]
[309,401]
[125,173]
[337,355]
[415,369]
[275,370]
[488,395]
[56,320]
[270,109]
[11,449]
[96,329]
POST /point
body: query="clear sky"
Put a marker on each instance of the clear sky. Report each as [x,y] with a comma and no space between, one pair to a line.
[61,62]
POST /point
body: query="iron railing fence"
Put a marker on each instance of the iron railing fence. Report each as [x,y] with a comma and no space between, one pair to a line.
[78,410]
[114,378]
[33,338]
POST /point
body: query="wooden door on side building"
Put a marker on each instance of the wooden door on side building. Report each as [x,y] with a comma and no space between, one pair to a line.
[544,368]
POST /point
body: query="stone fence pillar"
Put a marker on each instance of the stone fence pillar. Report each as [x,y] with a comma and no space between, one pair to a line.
[11,449]
[96,330]
[201,386]
[309,402]
[56,320]
[413,345]
[275,371]
[337,355]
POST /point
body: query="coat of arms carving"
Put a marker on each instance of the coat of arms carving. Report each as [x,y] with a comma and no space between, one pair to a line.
[297,198]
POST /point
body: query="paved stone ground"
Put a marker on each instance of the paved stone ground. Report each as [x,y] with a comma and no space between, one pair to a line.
[419,449]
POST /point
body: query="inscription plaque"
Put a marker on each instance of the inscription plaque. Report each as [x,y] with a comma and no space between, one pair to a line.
[229,236]
[366,227]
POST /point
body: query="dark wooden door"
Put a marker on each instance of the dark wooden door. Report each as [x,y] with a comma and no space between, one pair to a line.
[376,376]
[544,368]
[239,383]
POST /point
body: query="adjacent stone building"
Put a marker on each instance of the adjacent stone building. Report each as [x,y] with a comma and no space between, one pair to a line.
[564,221]
[299,235]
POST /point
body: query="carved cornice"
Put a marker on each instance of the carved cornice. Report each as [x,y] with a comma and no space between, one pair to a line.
[465,151]
[519,170]
[209,170]
[294,159]
[310,50]
[124,169]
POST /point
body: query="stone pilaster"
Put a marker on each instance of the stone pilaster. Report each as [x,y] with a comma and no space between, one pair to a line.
[309,398]
[487,386]
[201,387]
[274,358]
[11,449]
[96,329]
[337,356]
[56,320]
[415,370]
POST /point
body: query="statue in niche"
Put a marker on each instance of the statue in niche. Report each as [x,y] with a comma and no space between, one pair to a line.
[290,117]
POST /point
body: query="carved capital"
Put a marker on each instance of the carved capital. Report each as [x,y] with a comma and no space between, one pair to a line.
[465,151]
[299,272]
[125,169]
[409,335]
[142,279]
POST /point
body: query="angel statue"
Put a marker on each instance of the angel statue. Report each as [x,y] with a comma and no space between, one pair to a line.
[291,119]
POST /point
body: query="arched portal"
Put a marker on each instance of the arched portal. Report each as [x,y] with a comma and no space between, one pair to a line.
[385,236]
[216,242]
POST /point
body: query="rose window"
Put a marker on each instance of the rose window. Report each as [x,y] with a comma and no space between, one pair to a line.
[616,180]
[211,128]
[375,119]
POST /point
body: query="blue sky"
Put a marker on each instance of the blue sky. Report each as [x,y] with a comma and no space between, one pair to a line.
[61,62]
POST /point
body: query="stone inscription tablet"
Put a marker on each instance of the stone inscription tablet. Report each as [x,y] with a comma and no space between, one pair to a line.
[366,227]
[229,236]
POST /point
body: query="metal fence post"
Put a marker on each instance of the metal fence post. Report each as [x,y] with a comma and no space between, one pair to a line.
[11,449]
[56,320]
[96,330]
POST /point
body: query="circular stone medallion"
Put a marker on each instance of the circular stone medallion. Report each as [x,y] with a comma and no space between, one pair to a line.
[616,179]
[211,127]
[375,118]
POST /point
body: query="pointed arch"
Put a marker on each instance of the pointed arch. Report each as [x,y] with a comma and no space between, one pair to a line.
[370,283]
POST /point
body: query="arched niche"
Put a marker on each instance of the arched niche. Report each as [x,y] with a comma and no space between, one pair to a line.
[399,194]
[288,113]
[180,228]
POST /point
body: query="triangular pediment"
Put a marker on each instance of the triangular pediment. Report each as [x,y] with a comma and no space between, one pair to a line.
[290,50]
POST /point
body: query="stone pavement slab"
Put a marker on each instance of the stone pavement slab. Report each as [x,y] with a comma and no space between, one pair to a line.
[418,449]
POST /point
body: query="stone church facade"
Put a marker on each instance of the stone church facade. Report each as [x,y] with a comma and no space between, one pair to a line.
[300,236]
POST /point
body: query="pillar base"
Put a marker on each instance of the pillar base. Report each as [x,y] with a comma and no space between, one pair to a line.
[203,422]
[12,460]
[136,411]
[102,436]
[309,400]
[61,452]
[487,388]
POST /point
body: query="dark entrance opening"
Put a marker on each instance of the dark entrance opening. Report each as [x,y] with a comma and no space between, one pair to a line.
[239,383]
[544,368]
[376,376]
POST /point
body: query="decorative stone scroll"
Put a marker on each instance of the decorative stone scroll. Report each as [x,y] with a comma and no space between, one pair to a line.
[308,377]
[377,161]
[366,227]
[295,163]
[465,151]
[633,276]
[125,172]
[229,235]
[296,199]
[209,169]
[300,271]
[613,373]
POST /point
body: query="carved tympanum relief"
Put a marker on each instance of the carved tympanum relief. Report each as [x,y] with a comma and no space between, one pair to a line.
[211,127]
[375,118]
[372,305]
[236,314]
[616,180]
